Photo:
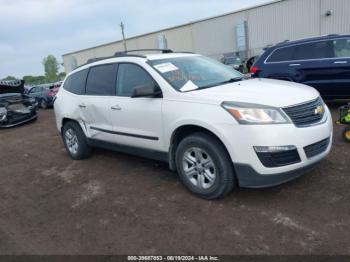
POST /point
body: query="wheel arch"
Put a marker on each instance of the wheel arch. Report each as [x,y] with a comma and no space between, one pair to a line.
[67,119]
[183,131]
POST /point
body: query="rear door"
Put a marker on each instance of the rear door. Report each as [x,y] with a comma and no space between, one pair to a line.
[339,69]
[311,63]
[136,121]
[95,104]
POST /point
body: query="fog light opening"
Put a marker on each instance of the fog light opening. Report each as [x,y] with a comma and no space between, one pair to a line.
[272,149]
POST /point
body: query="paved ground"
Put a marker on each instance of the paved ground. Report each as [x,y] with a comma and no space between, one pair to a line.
[120,204]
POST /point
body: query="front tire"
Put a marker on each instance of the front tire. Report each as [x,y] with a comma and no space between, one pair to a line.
[75,141]
[204,166]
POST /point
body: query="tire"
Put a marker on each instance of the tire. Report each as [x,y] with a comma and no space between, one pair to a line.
[75,142]
[43,104]
[213,180]
[346,134]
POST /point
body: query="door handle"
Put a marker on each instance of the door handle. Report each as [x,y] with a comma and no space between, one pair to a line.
[340,62]
[294,64]
[82,105]
[116,107]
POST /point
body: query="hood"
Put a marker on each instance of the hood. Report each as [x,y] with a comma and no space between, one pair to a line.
[13,86]
[268,92]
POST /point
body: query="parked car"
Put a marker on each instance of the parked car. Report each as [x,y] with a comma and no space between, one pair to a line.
[15,107]
[218,130]
[234,62]
[250,62]
[44,94]
[322,62]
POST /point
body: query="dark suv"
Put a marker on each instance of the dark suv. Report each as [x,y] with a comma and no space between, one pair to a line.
[322,62]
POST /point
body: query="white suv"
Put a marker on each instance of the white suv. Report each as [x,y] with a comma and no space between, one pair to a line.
[217,129]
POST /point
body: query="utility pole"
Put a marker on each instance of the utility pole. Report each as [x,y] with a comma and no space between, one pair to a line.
[124,42]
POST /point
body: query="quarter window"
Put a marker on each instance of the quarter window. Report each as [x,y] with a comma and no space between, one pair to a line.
[131,76]
[75,83]
[101,80]
[282,54]
[341,48]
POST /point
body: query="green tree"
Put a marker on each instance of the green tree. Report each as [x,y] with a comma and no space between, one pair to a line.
[61,76]
[51,67]
[34,80]
[9,78]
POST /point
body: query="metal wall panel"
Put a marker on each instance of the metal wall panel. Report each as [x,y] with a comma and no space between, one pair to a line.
[216,36]
[267,25]
[287,20]
[339,21]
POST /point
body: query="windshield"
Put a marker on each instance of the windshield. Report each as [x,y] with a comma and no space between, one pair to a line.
[194,72]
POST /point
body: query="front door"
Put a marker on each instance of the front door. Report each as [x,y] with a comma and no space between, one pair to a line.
[136,121]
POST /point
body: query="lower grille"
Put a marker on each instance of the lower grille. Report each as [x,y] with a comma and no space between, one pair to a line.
[277,159]
[316,148]
[306,114]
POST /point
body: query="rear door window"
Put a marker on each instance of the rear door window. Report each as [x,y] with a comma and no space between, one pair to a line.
[316,50]
[341,47]
[101,80]
[75,83]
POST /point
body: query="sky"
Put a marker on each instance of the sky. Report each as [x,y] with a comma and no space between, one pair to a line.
[33,29]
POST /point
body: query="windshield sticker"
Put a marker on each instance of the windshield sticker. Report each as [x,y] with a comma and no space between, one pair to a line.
[189,86]
[166,67]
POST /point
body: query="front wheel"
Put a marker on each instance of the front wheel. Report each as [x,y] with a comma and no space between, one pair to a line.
[204,166]
[75,141]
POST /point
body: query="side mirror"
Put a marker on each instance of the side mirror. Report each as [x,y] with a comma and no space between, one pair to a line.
[146,91]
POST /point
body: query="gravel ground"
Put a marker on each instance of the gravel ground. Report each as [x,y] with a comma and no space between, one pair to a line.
[114,203]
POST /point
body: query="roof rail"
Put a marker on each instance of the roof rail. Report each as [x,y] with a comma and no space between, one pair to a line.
[125,53]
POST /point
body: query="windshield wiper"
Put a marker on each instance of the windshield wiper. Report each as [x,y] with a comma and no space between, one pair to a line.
[231,80]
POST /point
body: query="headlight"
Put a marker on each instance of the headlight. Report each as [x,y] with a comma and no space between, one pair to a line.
[250,114]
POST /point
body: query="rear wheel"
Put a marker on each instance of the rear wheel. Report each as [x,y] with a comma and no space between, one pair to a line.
[346,134]
[204,166]
[75,141]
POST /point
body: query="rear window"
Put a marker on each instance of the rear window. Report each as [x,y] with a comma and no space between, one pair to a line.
[101,80]
[75,83]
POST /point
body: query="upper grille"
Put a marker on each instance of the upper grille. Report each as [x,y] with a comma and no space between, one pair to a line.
[306,114]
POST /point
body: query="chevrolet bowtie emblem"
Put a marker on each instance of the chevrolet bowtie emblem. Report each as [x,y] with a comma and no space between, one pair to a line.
[319,110]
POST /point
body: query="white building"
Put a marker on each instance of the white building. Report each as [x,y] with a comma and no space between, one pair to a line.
[248,30]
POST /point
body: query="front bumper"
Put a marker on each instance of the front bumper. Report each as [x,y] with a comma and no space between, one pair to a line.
[12,124]
[249,178]
[14,119]
[249,169]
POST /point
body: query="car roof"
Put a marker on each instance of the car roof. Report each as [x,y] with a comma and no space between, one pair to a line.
[129,58]
[311,39]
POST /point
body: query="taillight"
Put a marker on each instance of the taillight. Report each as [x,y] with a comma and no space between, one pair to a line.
[51,93]
[254,70]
